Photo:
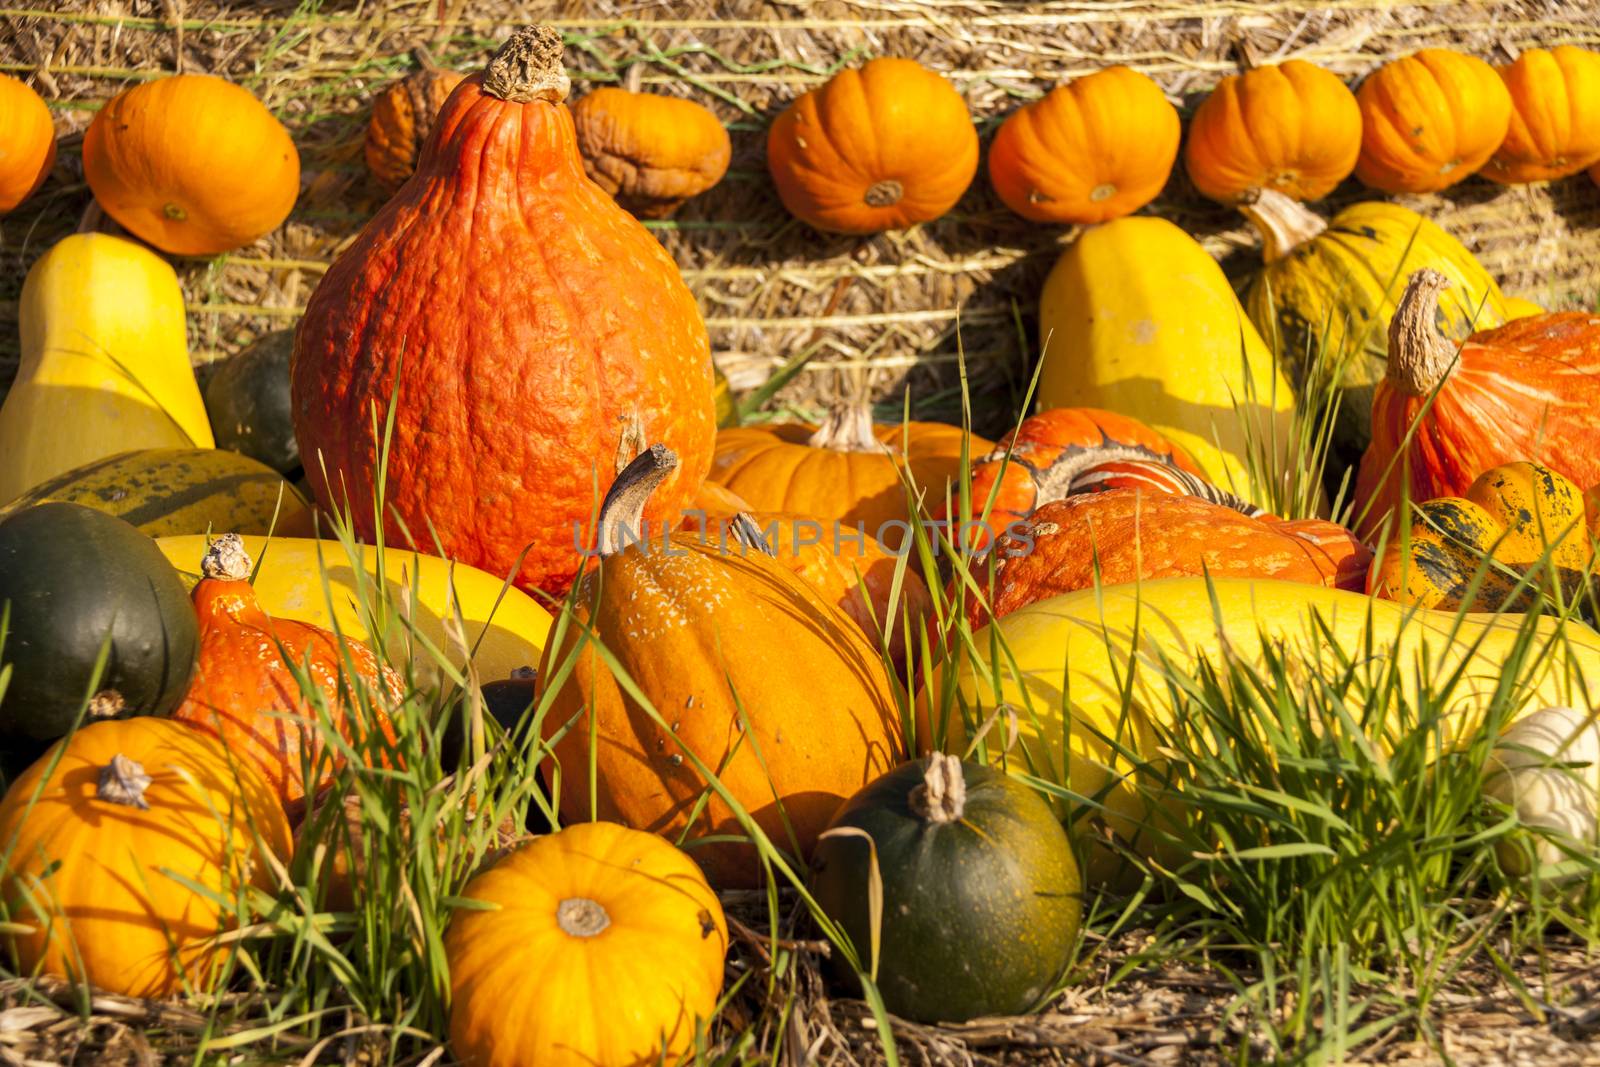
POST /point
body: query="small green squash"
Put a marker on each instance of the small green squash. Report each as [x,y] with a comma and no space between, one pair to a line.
[247,398]
[74,576]
[727,407]
[1336,284]
[981,898]
[507,701]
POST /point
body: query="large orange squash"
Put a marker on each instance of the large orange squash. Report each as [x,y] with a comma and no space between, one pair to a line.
[1527,390]
[880,148]
[1098,148]
[519,320]
[1555,115]
[27,142]
[192,163]
[1294,129]
[1429,120]
[748,668]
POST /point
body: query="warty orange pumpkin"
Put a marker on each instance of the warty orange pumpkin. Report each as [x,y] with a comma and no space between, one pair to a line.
[402,117]
[1527,390]
[651,152]
[747,667]
[519,321]
[1555,115]
[27,142]
[880,148]
[193,164]
[1428,120]
[1293,128]
[1097,148]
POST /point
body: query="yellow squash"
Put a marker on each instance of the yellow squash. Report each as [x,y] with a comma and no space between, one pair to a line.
[1518,308]
[505,625]
[1138,319]
[105,363]
[1067,659]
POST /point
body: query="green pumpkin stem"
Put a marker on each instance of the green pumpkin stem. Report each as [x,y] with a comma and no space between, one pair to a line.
[581,917]
[123,781]
[623,507]
[528,68]
[1283,222]
[942,795]
[848,427]
[1419,356]
[226,559]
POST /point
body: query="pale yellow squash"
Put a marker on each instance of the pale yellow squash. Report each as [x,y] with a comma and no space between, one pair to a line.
[1066,658]
[505,626]
[1517,307]
[1138,319]
[105,363]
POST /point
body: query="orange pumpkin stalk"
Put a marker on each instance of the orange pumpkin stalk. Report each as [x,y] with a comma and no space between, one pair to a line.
[517,317]
[245,690]
[1555,115]
[1527,390]
[1429,120]
[28,135]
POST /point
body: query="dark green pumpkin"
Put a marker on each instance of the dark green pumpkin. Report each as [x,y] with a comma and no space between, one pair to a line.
[73,576]
[506,700]
[981,897]
[247,399]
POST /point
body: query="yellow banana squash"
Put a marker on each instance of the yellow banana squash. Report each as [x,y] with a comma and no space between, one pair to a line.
[105,363]
[1064,662]
[506,626]
[1137,318]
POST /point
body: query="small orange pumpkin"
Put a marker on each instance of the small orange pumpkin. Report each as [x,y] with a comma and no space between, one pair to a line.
[193,164]
[1429,120]
[27,142]
[1555,115]
[1294,129]
[650,152]
[402,117]
[245,691]
[1097,148]
[880,148]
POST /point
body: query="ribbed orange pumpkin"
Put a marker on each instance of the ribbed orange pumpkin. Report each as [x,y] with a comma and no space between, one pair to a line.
[1527,390]
[1294,129]
[1429,120]
[749,669]
[520,320]
[27,142]
[880,148]
[245,691]
[651,152]
[1555,115]
[402,117]
[192,163]
[1097,148]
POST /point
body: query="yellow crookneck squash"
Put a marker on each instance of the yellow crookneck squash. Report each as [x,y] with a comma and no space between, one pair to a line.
[1520,516]
[1331,286]
[1065,663]
[1137,318]
[105,363]
[505,626]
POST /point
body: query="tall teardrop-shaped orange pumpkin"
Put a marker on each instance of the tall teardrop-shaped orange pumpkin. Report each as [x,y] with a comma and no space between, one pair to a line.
[27,142]
[1555,115]
[245,691]
[1429,120]
[520,320]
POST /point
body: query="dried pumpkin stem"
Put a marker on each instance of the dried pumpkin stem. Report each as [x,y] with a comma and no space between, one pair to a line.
[748,534]
[123,781]
[1419,356]
[581,917]
[848,427]
[528,67]
[886,193]
[226,559]
[1284,223]
[106,704]
[622,511]
[942,796]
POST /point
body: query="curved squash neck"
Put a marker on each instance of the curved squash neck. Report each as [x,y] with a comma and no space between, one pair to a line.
[1419,356]
[1284,224]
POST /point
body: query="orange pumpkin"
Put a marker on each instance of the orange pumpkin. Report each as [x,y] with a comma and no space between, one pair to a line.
[519,321]
[880,148]
[192,163]
[1429,120]
[1097,148]
[27,142]
[748,668]
[402,117]
[245,690]
[1294,129]
[1555,115]
[650,152]
[847,469]
[1527,390]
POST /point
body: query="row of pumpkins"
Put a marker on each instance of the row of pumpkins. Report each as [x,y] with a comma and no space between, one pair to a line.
[520,343]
